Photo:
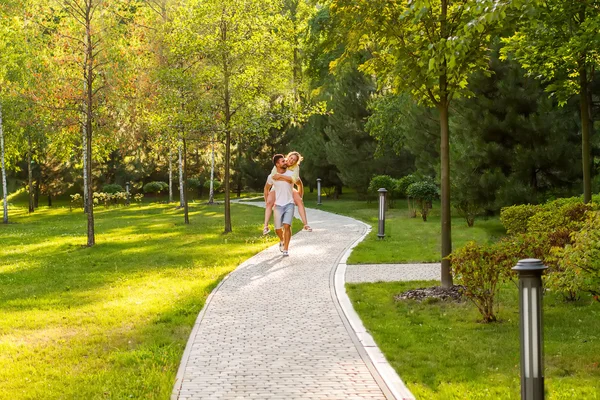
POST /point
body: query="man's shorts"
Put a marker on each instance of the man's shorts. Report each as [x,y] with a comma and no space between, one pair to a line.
[283,215]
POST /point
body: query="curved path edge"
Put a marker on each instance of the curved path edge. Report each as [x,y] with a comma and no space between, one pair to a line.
[384,373]
[386,377]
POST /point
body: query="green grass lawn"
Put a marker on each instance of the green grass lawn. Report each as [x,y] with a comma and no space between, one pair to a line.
[406,239]
[442,352]
[109,321]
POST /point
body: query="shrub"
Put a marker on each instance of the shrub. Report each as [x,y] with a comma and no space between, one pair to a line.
[423,193]
[403,183]
[76,201]
[515,218]
[112,188]
[382,181]
[578,266]
[216,185]
[155,187]
[554,216]
[468,209]
[138,197]
[193,184]
[480,269]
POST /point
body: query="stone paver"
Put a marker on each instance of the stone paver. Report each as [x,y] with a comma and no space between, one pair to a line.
[272,329]
[392,272]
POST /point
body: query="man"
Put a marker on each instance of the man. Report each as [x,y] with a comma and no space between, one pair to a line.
[283,214]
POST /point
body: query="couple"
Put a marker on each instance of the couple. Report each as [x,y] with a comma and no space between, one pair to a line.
[285,174]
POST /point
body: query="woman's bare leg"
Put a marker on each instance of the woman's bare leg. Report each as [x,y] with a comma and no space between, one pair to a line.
[301,210]
[269,210]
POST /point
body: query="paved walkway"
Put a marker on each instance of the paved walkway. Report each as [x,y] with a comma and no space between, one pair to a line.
[274,328]
[393,272]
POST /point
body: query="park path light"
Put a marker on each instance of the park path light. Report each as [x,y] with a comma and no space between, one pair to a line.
[532,345]
[127,194]
[318,191]
[382,195]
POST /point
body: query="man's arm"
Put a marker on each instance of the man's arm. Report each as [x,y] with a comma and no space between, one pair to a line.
[300,187]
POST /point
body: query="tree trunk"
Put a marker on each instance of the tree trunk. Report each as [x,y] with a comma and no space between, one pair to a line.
[186,218]
[227,109]
[211,193]
[29,175]
[49,200]
[36,191]
[239,170]
[170,176]
[180,162]
[585,135]
[445,195]
[89,78]
[443,105]
[227,177]
[85,149]
[4,185]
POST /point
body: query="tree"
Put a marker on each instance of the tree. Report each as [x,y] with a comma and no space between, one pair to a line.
[242,57]
[427,49]
[11,71]
[557,41]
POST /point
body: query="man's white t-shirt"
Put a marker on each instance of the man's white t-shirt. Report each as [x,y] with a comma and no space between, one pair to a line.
[284,194]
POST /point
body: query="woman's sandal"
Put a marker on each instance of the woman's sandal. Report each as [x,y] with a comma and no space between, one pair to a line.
[307,228]
[266,230]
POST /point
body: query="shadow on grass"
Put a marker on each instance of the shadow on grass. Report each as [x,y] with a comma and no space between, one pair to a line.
[44,262]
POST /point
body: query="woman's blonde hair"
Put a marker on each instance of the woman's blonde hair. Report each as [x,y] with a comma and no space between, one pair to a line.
[295,153]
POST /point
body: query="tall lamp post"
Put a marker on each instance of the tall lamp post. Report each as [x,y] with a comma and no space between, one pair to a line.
[381,230]
[532,345]
[318,191]
[127,199]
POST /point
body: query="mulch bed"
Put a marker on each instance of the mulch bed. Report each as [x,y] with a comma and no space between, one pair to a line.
[436,292]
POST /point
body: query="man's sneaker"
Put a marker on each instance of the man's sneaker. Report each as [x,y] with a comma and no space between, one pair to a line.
[266,230]
[281,246]
[285,253]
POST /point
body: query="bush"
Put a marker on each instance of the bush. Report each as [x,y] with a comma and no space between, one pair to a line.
[423,193]
[515,218]
[76,201]
[480,269]
[112,188]
[216,185]
[193,184]
[555,218]
[403,183]
[155,187]
[468,209]
[578,266]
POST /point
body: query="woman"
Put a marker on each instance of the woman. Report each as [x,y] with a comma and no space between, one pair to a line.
[292,160]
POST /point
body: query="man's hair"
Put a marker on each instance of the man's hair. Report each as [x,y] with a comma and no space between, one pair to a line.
[276,158]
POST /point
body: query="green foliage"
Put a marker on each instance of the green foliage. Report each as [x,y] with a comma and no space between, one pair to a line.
[112,188]
[458,34]
[193,184]
[403,183]
[555,216]
[516,218]
[555,41]
[216,185]
[155,187]
[480,269]
[382,181]
[578,264]
[423,193]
